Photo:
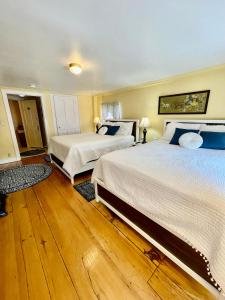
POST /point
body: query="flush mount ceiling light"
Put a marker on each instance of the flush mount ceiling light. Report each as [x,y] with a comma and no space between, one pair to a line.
[75,68]
[32,85]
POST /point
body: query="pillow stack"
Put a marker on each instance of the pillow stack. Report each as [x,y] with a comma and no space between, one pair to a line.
[108,130]
[193,136]
[124,128]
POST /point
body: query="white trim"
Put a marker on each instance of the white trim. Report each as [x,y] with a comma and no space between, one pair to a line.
[8,160]
[53,112]
[155,243]
[5,93]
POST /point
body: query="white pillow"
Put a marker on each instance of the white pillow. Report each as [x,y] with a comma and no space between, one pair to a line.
[214,128]
[171,127]
[102,130]
[191,140]
[125,128]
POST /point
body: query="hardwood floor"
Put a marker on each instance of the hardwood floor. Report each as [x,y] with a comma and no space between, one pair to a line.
[56,245]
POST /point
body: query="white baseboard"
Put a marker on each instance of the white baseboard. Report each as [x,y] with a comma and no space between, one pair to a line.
[8,160]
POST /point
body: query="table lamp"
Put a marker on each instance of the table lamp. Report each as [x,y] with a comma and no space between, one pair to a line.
[145,123]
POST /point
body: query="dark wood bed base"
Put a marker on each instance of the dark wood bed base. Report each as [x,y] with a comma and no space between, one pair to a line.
[173,244]
[57,160]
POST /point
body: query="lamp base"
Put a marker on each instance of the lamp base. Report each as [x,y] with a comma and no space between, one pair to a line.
[144,136]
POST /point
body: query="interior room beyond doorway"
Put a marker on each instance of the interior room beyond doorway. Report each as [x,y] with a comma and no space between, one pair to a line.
[28,121]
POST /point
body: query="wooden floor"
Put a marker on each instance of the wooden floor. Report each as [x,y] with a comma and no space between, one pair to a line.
[56,245]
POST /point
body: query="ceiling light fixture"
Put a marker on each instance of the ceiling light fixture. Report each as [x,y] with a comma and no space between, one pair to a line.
[32,85]
[75,68]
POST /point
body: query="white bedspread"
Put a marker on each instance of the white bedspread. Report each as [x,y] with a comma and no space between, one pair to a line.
[76,150]
[182,190]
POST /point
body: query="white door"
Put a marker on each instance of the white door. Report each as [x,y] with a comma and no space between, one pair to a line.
[66,114]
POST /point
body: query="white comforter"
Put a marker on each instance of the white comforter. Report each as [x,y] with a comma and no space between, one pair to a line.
[182,190]
[76,150]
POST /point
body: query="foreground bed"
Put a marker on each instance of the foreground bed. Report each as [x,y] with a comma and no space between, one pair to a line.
[175,198]
[76,153]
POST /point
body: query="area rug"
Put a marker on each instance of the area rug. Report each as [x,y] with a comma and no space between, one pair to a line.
[15,179]
[32,152]
[86,189]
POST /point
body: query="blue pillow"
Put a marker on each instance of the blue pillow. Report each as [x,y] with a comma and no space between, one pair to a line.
[112,130]
[213,140]
[178,133]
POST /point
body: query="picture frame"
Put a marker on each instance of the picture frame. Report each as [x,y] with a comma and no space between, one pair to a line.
[185,103]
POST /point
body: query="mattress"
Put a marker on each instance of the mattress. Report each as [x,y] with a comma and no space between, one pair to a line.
[76,150]
[180,189]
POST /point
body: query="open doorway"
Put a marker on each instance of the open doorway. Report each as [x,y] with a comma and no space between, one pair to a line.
[28,122]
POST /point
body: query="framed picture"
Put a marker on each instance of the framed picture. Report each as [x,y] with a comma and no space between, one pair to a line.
[187,103]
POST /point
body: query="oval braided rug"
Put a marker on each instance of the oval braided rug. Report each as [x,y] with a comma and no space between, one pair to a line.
[15,179]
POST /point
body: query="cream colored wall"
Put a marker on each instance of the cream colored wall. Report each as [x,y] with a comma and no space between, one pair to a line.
[86,113]
[6,144]
[143,101]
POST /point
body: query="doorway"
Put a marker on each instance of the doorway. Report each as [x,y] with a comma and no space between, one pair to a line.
[27,123]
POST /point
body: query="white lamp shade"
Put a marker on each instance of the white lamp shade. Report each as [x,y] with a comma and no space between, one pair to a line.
[145,122]
[96,120]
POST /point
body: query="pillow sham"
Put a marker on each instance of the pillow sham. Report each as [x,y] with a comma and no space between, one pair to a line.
[102,130]
[214,128]
[190,140]
[213,140]
[178,133]
[112,130]
[125,128]
[171,127]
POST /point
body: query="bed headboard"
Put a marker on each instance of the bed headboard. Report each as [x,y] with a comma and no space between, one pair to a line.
[135,130]
[207,122]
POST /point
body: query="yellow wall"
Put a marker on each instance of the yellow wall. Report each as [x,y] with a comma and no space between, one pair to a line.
[143,101]
[86,113]
[6,144]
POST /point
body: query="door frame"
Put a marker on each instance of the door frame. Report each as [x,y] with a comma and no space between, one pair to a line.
[5,93]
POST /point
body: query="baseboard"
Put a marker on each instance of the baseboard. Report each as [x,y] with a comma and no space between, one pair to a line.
[8,160]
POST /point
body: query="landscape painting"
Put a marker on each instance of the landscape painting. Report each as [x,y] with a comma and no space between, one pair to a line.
[187,103]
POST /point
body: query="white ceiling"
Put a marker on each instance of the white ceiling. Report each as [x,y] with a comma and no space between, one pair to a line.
[118,42]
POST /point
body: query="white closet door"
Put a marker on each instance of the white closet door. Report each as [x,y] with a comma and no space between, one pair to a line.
[66,114]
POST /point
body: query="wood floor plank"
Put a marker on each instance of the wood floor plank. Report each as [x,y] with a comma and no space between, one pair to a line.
[59,282]
[26,245]
[9,279]
[170,282]
[109,215]
[135,239]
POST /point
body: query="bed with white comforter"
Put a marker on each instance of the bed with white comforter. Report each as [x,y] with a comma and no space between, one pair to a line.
[76,150]
[182,190]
